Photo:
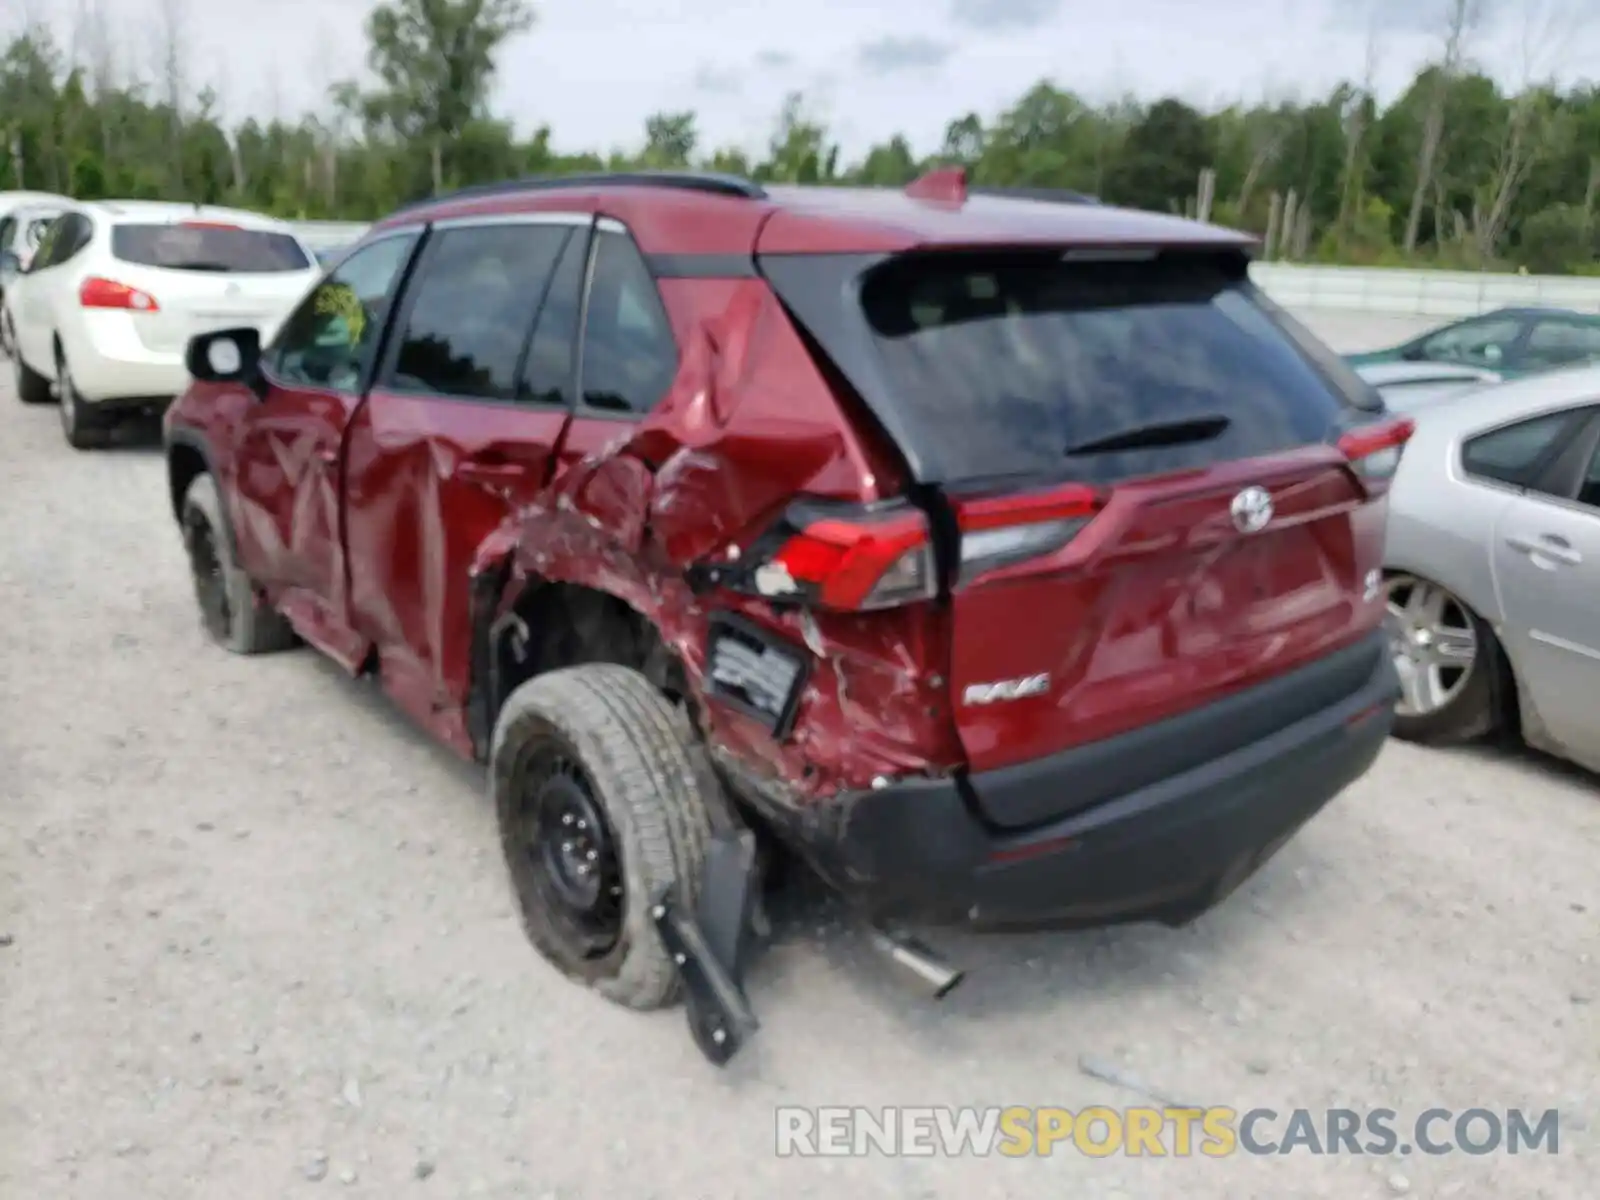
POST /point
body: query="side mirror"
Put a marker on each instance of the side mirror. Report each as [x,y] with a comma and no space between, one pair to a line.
[225,356]
[10,264]
[1414,353]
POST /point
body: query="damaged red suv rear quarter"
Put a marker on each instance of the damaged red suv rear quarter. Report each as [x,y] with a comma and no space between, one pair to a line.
[1014,561]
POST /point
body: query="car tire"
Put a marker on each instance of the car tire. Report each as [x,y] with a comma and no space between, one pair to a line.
[81,425]
[599,740]
[232,611]
[32,387]
[1475,709]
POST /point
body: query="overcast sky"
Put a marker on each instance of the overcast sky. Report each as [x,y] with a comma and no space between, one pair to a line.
[594,69]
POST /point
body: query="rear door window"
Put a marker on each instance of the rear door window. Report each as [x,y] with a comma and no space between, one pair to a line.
[1482,343]
[62,239]
[471,310]
[550,374]
[1558,343]
[1101,371]
[202,246]
[1516,454]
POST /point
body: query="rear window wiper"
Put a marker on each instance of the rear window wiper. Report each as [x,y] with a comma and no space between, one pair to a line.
[1157,433]
[222,268]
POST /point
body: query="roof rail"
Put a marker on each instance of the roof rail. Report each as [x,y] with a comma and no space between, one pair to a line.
[1044,195]
[711,182]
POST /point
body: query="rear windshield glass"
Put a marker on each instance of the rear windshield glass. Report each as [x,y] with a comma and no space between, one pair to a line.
[1036,364]
[198,247]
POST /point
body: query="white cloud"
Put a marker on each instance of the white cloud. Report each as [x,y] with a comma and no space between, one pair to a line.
[594,69]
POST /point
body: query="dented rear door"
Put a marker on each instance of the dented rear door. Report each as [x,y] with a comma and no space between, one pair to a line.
[458,435]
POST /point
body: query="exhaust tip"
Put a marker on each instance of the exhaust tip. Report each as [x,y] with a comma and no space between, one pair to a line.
[920,964]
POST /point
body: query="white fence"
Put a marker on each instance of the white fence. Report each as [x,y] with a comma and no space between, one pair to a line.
[329,235]
[1442,294]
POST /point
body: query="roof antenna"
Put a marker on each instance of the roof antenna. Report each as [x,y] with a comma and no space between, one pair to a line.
[943,185]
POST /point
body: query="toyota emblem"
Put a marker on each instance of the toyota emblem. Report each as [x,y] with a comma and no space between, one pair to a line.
[1251,510]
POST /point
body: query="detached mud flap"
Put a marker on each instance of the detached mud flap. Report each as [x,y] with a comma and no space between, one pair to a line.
[712,944]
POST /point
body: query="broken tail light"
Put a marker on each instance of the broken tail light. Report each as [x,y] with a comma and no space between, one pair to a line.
[1374,450]
[861,560]
[855,563]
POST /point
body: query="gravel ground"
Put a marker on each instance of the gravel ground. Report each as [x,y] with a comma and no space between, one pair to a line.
[255,940]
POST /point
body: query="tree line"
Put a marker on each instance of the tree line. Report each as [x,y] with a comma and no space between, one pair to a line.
[1457,172]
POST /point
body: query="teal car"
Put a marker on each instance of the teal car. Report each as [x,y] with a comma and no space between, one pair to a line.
[1511,342]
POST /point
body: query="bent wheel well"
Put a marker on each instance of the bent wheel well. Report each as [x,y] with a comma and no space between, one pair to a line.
[554,625]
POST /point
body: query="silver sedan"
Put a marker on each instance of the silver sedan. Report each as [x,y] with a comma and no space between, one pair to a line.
[1408,386]
[1493,561]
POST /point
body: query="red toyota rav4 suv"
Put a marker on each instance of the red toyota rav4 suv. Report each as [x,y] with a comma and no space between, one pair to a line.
[1016,562]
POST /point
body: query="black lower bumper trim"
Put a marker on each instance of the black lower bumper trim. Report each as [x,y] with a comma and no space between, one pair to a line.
[919,850]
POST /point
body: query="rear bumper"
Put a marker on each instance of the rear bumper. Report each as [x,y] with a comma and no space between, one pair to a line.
[116,382]
[1167,851]
[111,363]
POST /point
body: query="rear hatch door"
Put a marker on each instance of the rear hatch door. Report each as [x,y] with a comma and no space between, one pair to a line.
[1153,514]
[207,275]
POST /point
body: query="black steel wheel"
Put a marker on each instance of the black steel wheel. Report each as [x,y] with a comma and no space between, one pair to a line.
[570,850]
[600,809]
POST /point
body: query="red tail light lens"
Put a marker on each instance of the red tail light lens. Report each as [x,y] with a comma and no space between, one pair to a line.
[854,565]
[860,561]
[95,292]
[1374,450]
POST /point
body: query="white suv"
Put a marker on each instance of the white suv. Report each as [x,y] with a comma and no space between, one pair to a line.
[104,313]
[21,230]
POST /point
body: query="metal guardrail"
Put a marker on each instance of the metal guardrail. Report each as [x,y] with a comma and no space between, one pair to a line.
[1442,294]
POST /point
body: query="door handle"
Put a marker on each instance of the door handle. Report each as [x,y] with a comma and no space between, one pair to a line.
[1547,545]
[494,473]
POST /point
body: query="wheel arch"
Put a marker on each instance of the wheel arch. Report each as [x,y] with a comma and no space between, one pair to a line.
[527,625]
[1510,698]
[188,457]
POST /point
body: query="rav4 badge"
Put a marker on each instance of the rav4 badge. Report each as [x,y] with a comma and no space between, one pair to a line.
[1006,689]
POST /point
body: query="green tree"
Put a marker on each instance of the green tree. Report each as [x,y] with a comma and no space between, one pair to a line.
[669,140]
[1162,158]
[435,59]
[889,165]
[799,151]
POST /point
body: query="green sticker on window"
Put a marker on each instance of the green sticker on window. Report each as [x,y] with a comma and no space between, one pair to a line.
[340,300]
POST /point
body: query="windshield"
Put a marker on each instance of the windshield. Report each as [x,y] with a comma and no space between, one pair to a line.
[208,247]
[1018,363]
